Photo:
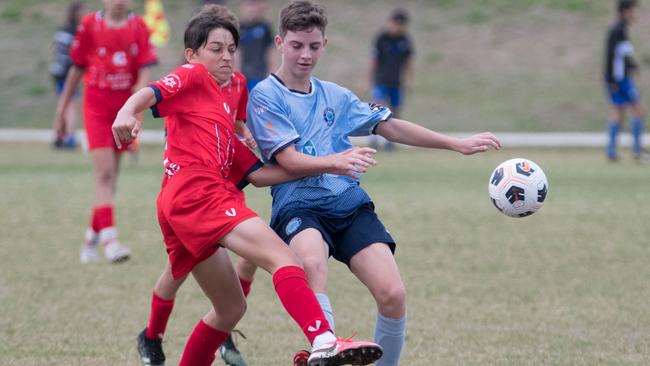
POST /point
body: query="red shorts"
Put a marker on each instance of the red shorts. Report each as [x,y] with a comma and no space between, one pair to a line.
[99,109]
[197,207]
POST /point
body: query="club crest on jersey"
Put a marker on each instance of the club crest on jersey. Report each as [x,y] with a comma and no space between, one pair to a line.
[374,107]
[171,83]
[119,58]
[309,148]
[293,225]
[328,116]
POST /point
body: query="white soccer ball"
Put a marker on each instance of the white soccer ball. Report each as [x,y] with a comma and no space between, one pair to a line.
[518,187]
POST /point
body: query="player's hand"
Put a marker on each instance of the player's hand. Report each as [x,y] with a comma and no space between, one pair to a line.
[59,125]
[353,161]
[125,130]
[478,143]
[245,133]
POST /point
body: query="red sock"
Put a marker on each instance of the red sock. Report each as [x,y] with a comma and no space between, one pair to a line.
[104,217]
[161,309]
[202,345]
[93,220]
[299,300]
[245,286]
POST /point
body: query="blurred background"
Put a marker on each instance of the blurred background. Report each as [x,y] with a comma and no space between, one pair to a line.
[501,65]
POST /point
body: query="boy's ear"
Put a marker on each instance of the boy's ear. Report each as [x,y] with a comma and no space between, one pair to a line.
[278,41]
[324,41]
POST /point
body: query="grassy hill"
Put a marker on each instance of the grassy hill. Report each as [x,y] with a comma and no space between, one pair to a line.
[502,65]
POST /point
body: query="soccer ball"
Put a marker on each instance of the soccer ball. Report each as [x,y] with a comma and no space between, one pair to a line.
[518,187]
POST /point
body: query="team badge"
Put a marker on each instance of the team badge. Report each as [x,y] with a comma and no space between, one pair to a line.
[328,116]
[293,225]
[309,148]
[171,83]
[119,58]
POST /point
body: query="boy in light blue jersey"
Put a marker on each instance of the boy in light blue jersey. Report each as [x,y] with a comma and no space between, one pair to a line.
[297,120]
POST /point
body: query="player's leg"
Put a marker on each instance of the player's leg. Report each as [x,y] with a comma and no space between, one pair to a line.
[217,278]
[313,252]
[162,304]
[255,241]
[613,129]
[637,128]
[376,268]
[106,165]
[229,353]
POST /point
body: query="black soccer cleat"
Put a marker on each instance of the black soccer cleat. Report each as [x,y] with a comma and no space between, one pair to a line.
[229,352]
[150,350]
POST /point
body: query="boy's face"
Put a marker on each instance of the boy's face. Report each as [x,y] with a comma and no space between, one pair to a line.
[630,15]
[217,55]
[301,50]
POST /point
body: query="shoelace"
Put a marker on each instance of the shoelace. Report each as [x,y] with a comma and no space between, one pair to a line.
[347,340]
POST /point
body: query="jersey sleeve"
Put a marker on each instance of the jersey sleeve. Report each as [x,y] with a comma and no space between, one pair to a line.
[170,87]
[82,44]
[147,54]
[269,123]
[363,117]
[244,163]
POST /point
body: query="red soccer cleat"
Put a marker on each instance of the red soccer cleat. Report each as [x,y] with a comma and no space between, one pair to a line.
[344,351]
[300,358]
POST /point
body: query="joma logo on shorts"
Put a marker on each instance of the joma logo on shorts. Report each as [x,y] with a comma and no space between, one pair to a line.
[231,212]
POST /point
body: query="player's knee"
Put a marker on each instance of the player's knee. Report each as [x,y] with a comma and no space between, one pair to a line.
[105,177]
[392,297]
[314,266]
[231,314]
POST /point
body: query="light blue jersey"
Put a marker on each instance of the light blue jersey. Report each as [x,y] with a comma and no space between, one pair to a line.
[318,124]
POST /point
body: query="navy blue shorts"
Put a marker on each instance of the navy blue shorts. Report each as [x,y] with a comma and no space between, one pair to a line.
[391,94]
[345,236]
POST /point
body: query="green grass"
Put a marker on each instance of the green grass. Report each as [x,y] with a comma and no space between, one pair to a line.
[566,286]
[501,65]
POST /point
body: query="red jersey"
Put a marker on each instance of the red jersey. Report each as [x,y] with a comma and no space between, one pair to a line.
[200,130]
[111,56]
[237,95]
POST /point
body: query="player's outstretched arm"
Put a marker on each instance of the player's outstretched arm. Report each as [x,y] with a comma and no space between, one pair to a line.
[271,174]
[126,126]
[349,162]
[408,133]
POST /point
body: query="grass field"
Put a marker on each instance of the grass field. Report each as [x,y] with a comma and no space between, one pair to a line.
[566,286]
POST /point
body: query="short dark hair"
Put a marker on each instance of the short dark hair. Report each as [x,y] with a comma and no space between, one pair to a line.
[200,26]
[624,5]
[400,16]
[302,15]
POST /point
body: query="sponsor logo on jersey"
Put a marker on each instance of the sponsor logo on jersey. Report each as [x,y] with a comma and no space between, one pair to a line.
[119,58]
[226,107]
[309,148]
[293,225]
[328,116]
[171,83]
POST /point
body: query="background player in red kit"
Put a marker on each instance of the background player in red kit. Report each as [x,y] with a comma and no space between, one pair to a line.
[110,50]
[200,209]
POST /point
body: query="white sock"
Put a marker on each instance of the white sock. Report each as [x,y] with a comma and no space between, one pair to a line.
[323,338]
[108,235]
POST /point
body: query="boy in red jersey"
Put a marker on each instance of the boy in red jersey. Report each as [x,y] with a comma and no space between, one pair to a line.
[200,209]
[111,51]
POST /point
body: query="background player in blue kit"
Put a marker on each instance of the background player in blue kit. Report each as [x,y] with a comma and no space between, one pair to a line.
[620,69]
[256,46]
[391,67]
[297,120]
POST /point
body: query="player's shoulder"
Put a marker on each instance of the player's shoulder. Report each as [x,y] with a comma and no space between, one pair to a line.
[266,89]
[237,78]
[89,19]
[329,87]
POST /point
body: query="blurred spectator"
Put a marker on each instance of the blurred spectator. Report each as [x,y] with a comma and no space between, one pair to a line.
[59,70]
[390,70]
[256,45]
[620,71]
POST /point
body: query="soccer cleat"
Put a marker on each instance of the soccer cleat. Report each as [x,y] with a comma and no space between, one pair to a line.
[113,250]
[300,358]
[88,252]
[150,350]
[229,352]
[343,351]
